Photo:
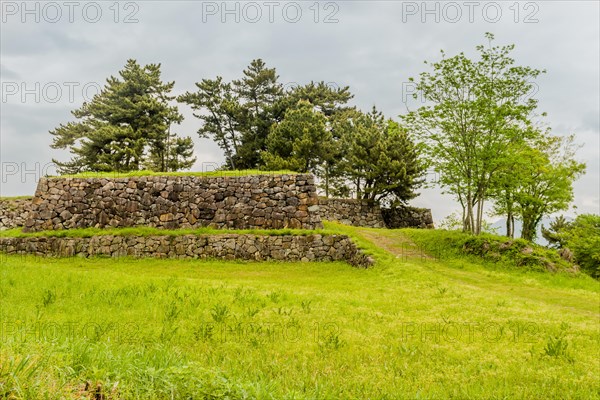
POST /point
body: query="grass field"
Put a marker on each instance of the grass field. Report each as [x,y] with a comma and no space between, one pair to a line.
[412,327]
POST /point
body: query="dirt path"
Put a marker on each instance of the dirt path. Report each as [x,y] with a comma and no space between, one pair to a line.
[395,243]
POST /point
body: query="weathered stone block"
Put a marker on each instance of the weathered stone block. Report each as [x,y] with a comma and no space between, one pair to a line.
[172,202]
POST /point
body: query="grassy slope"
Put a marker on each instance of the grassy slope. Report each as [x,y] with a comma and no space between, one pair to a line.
[412,327]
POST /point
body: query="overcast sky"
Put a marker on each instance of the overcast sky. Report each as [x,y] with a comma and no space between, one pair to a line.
[54,55]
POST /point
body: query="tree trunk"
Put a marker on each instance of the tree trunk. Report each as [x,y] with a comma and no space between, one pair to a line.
[469,221]
[512,226]
[528,228]
[479,216]
[165,157]
[509,224]
[510,218]
[326,180]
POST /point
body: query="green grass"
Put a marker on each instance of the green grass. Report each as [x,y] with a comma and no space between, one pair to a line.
[412,327]
[497,251]
[130,174]
[12,198]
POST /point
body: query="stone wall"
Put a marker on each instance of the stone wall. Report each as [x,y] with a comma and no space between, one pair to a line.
[171,202]
[351,212]
[407,217]
[363,213]
[226,246]
[14,212]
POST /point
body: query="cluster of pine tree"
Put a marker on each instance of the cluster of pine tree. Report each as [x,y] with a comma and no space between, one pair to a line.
[257,123]
[310,128]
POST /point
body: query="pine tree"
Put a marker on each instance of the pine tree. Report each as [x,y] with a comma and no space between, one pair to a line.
[300,142]
[379,158]
[219,109]
[555,232]
[259,91]
[171,153]
[129,118]
[240,115]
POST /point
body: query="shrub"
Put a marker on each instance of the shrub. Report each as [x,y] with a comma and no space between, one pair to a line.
[516,253]
[579,240]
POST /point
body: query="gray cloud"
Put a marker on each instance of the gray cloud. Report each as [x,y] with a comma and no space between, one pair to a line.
[6,73]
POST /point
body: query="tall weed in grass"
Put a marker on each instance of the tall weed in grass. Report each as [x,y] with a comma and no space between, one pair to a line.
[190,329]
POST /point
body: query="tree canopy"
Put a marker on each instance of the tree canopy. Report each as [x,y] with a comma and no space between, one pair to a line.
[239,115]
[379,158]
[309,128]
[581,236]
[126,127]
[479,129]
[300,142]
[479,132]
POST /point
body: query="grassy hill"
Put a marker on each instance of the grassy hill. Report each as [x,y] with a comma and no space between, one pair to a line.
[422,324]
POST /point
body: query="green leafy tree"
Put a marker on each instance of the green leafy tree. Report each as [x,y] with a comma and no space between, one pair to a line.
[581,236]
[476,110]
[129,119]
[379,158]
[506,183]
[300,142]
[535,179]
[584,240]
[546,177]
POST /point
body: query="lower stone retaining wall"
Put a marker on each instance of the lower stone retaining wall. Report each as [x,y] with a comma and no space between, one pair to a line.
[227,246]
